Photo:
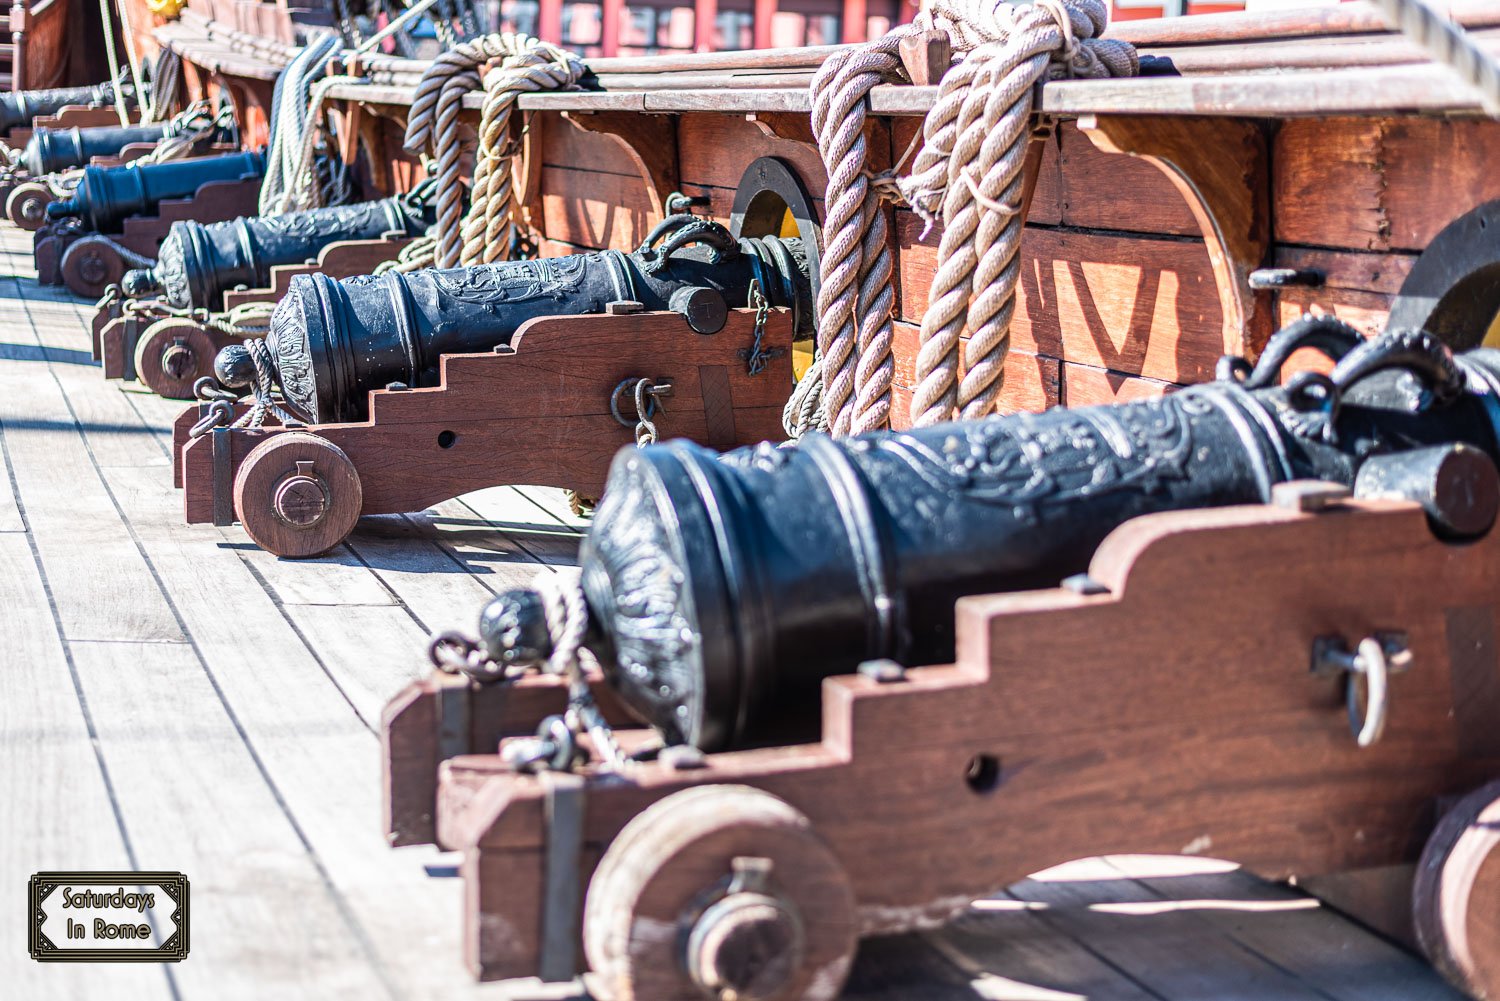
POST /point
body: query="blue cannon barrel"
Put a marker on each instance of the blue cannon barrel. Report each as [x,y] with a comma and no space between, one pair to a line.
[51,150]
[107,196]
[721,589]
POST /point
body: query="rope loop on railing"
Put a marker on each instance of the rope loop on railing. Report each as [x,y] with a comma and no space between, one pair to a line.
[516,64]
[968,174]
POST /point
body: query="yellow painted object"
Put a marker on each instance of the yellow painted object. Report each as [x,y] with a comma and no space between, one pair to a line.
[168,9]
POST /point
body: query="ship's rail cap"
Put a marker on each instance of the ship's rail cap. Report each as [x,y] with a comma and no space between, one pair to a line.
[1322,61]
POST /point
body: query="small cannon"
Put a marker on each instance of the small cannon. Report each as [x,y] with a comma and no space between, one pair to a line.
[1272,641]
[118,216]
[198,262]
[107,196]
[51,150]
[416,388]
[18,108]
[334,341]
[251,259]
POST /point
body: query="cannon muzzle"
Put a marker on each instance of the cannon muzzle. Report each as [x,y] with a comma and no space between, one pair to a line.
[334,341]
[107,196]
[722,588]
[197,263]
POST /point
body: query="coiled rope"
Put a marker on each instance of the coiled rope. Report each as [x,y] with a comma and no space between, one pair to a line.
[525,64]
[968,174]
[290,109]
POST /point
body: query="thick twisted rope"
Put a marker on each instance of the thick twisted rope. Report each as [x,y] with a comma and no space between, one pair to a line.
[1448,43]
[491,226]
[303,190]
[290,119]
[969,174]
[527,64]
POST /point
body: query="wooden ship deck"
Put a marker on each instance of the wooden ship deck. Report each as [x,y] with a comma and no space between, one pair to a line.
[175,698]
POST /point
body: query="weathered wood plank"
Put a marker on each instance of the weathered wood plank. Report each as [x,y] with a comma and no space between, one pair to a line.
[58,813]
[113,594]
[1134,305]
[1339,959]
[1087,386]
[1379,183]
[594,210]
[267,925]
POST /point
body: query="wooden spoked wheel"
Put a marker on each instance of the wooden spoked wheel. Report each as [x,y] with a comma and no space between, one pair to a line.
[90,266]
[297,495]
[1456,898]
[715,892]
[26,205]
[172,354]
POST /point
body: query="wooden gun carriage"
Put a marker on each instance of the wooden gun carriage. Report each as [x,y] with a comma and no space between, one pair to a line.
[1125,716]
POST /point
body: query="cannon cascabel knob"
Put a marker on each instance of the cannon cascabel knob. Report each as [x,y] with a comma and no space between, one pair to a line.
[140,282]
[234,368]
[513,629]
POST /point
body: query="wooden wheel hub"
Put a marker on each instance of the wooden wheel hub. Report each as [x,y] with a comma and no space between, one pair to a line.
[26,205]
[747,943]
[172,354]
[297,495]
[1456,899]
[719,892]
[301,499]
[89,265]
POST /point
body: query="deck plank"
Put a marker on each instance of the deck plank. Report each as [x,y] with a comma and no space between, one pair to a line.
[57,812]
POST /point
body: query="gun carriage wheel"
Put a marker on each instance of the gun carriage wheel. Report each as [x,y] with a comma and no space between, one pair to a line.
[1456,900]
[89,266]
[297,495]
[26,205]
[173,354]
[719,891]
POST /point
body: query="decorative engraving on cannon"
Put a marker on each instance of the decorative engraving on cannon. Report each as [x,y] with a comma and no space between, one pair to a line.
[198,262]
[741,603]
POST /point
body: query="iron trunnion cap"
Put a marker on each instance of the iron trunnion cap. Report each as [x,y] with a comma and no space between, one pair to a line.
[107,196]
[198,262]
[332,341]
[722,589]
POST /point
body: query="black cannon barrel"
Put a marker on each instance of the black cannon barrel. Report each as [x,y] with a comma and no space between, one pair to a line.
[198,262]
[722,589]
[20,107]
[107,196]
[51,150]
[334,341]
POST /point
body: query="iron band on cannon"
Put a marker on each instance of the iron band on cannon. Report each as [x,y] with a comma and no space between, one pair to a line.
[768,603]
[407,380]
[169,342]
[116,219]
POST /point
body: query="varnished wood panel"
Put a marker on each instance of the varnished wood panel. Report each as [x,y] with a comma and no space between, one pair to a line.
[1379,183]
[1133,305]
[598,211]
[1087,386]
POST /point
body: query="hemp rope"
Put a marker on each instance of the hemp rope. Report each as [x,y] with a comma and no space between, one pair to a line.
[130,257]
[289,118]
[303,190]
[969,174]
[525,64]
[1447,43]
